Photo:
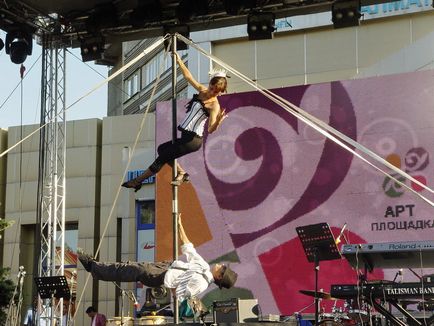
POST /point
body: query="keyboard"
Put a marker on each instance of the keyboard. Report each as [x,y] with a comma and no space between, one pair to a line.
[408,254]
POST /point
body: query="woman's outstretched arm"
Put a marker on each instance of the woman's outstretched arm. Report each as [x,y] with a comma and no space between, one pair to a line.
[187,74]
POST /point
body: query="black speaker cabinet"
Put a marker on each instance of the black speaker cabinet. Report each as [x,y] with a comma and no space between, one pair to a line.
[236,311]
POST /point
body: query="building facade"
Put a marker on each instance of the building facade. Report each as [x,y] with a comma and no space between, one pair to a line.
[392,38]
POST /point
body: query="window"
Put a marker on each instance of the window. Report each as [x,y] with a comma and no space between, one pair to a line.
[146,214]
[132,85]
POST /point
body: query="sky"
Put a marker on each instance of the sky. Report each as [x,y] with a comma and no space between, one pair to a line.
[80,78]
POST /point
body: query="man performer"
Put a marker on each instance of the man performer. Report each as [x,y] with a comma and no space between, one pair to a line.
[184,279]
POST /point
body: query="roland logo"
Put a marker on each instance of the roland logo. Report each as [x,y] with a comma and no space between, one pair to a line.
[396,246]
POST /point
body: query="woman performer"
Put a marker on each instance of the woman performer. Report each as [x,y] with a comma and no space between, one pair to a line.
[203,106]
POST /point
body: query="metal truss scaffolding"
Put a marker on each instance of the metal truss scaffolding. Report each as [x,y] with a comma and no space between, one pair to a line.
[51,183]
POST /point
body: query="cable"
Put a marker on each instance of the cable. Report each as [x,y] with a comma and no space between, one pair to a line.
[96,71]
[144,52]
[319,125]
[20,166]
[19,83]
[102,236]
[422,286]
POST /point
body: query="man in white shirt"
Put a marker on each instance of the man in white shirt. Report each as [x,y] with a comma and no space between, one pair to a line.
[184,279]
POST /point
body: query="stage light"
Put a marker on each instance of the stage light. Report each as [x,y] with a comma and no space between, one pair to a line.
[188,9]
[260,25]
[147,11]
[103,16]
[346,14]
[18,44]
[92,49]
[236,7]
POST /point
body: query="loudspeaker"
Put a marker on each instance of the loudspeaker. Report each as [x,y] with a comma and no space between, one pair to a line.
[236,311]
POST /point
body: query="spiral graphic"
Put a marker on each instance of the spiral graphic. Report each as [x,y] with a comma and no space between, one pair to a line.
[332,168]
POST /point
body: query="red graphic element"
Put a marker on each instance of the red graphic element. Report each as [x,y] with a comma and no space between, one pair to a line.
[421,179]
[148,246]
[288,271]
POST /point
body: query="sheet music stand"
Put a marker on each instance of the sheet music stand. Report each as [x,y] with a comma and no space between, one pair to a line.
[52,286]
[319,244]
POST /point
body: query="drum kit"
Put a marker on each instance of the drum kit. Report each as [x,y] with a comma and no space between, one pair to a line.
[351,313]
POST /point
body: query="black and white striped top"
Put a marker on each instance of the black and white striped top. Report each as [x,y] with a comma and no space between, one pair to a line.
[196,117]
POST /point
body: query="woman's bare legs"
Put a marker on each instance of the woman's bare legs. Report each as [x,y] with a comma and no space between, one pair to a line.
[181,176]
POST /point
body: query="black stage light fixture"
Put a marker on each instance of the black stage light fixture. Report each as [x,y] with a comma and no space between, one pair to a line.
[18,44]
[188,9]
[346,13]
[260,25]
[147,11]
[2,44]
[184,30]
[92,49]
[236,7]
[103,16]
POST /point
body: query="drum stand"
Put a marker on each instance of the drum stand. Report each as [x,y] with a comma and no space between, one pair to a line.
[318,244]
[298,313]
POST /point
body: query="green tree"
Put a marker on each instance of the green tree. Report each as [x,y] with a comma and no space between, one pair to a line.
[5,224]
[7,288]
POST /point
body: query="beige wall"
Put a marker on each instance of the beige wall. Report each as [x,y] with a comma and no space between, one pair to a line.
[82,202]
[377,47]
[97,156]
[119,135]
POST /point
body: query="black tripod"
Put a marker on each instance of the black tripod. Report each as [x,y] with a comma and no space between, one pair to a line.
[318,244]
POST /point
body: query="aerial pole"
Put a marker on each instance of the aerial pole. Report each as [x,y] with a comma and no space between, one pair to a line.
[51,179]
[175,211]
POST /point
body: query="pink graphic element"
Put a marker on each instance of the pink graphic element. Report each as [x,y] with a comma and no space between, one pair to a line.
[331,170]
[263,173]
[288,271]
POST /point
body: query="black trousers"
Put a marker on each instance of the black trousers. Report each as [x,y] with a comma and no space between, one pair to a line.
[168,151]
[149,274]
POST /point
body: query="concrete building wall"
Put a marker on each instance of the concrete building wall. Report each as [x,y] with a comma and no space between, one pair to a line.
[119,241]
[96,160]
[83,164]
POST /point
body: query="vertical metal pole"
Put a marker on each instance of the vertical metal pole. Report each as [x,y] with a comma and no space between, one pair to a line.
[174,172]
[51,181]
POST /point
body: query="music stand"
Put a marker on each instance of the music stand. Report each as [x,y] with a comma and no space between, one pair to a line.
[319,244]
[52,286]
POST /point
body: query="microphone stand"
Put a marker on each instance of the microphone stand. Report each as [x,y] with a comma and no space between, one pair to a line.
[13,316]
[68,314]
[123,293]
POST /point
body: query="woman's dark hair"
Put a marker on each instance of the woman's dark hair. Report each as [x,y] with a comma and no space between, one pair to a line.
[220,82]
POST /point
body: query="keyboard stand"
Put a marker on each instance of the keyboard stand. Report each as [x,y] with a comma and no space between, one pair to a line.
[389,316]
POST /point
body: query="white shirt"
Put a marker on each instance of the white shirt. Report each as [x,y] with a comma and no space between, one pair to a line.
[200,278]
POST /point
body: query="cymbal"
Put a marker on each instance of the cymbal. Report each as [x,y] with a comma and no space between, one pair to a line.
[320,294]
